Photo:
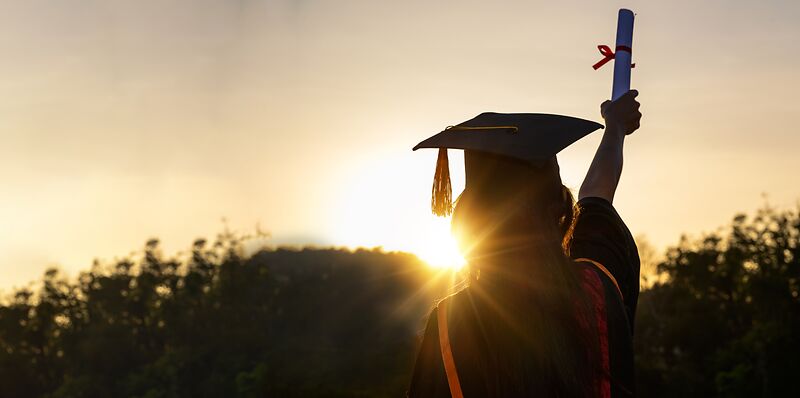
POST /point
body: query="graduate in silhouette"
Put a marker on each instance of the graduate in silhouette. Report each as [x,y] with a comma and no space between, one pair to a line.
[553,284]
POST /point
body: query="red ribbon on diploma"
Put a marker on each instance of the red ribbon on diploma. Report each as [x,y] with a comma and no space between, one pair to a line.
[608,55]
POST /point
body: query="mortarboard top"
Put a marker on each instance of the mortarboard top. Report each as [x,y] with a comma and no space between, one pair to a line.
[530,138]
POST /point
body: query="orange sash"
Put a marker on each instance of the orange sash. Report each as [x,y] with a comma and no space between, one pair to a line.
[603,270]
[447,352]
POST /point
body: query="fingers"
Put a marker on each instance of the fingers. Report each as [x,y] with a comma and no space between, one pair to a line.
[625,111]
[604,107]
[631,94]
[628,97]
[628,102]
[634,122]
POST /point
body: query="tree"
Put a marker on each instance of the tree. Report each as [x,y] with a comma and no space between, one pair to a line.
[726,322]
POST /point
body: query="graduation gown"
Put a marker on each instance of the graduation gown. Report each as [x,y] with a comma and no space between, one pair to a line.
[606,255]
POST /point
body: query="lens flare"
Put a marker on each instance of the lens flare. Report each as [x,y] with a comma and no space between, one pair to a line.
[438,247]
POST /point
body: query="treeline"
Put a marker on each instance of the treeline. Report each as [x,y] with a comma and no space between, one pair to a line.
[283,323]
[723,321]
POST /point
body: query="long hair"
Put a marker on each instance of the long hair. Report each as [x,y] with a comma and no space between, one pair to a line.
[538,337]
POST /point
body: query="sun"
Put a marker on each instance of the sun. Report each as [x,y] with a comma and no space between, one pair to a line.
[381,203]
[438,247]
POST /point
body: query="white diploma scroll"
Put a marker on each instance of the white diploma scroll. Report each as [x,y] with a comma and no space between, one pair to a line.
[622,54]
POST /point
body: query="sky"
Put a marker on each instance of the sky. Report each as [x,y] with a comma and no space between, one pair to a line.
[126,120]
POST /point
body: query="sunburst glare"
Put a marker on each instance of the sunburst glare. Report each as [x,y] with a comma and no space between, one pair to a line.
[439,248]
[362,218]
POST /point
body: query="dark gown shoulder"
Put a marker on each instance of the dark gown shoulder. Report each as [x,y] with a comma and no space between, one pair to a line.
[465,331]
[602,236]
[429,378]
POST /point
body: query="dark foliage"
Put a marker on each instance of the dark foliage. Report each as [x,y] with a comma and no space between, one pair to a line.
[724,321]
[281,323]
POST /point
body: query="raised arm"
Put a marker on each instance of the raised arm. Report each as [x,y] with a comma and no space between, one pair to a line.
[622,118]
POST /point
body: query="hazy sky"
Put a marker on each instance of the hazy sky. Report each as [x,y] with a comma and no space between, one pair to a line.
[124,120]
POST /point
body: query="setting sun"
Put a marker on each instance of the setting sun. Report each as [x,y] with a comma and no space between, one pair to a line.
[362,221]
[439,248]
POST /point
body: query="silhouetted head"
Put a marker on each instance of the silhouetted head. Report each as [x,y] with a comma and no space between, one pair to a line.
[513,195]
[509,206]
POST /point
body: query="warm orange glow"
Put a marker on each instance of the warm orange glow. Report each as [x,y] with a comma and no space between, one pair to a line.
[362,217]
[439,248]
[302,118]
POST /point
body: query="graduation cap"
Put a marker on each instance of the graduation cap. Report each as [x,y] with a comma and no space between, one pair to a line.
[505,143]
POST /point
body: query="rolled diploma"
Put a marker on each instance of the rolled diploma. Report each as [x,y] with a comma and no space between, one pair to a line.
[622,58]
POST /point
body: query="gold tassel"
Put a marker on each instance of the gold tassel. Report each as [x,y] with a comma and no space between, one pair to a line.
[442,192]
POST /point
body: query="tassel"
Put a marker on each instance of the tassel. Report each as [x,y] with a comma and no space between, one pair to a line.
[442,192]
